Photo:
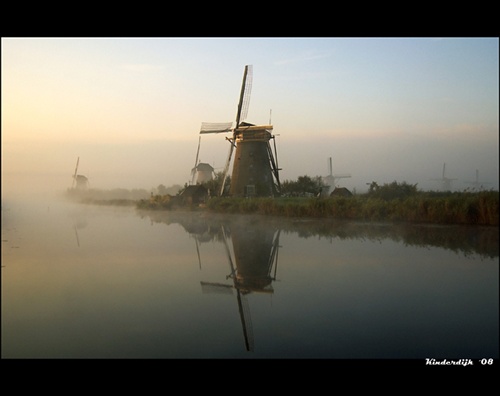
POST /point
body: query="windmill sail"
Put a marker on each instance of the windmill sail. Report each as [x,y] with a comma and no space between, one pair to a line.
[242,111]
[193,171]
[76,170]
[246,89]
[216,127]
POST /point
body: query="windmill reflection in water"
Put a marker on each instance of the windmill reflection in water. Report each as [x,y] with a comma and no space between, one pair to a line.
[252,267]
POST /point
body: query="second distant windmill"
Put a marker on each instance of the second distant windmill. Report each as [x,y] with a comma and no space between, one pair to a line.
[331,179]
[201,172]
[445,181]
[477,185]
[80,182]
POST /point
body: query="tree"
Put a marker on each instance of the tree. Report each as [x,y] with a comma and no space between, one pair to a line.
[304,185]
[162,190]
[215,184]
[393,190]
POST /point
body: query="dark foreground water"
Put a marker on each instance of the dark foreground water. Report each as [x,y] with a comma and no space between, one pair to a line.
[106,282]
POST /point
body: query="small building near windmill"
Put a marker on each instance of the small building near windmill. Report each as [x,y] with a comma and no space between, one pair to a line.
[204,173]
[194,195]
[341,192]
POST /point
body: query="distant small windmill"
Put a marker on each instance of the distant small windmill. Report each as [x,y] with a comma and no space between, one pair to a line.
[331,179]
[477,185]
[81,182]
[201,172]
[445,181]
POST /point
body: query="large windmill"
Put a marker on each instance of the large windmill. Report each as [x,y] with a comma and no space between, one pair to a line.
[255,169]
[445,181]
[81,182]
[331,179]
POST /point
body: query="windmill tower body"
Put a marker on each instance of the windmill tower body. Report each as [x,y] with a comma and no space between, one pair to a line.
[204,173]
[82,183]
[252,175]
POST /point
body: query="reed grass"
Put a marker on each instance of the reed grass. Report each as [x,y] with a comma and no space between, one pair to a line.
[479,208]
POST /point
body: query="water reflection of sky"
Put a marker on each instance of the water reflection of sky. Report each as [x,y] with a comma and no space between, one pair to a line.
[86,281]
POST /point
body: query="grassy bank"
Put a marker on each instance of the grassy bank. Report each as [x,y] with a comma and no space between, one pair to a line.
[453,208]
[479,208]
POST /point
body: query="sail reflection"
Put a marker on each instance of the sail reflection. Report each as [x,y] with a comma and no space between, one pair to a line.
[79,220]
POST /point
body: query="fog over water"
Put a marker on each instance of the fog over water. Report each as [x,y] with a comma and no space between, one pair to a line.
[90,281]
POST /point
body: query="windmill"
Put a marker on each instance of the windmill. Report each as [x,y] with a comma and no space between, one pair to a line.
[445,181]
[255,169]
[331,179]
[201,172]
[255,255]
[81,182]
[477,185]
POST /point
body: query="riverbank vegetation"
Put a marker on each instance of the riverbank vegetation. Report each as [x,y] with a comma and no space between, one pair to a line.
[394,202]
[455,208]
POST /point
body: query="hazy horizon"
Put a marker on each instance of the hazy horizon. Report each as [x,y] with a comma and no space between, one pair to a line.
[388,109]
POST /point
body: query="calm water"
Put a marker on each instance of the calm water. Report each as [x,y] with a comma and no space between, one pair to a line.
[106,282]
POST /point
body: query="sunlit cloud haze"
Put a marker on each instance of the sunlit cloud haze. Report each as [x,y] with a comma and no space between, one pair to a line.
[389,109]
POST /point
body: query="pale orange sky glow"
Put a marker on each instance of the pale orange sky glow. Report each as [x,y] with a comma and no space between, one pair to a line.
[131,109]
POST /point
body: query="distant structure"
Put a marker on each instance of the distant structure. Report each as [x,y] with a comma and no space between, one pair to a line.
[445,181]
[331,179]
[204,172]
[201,172]
[255,168]
[80,182]
[477,185]
[341,192]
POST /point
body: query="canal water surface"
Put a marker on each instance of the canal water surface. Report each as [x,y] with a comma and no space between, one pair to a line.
[83,281]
